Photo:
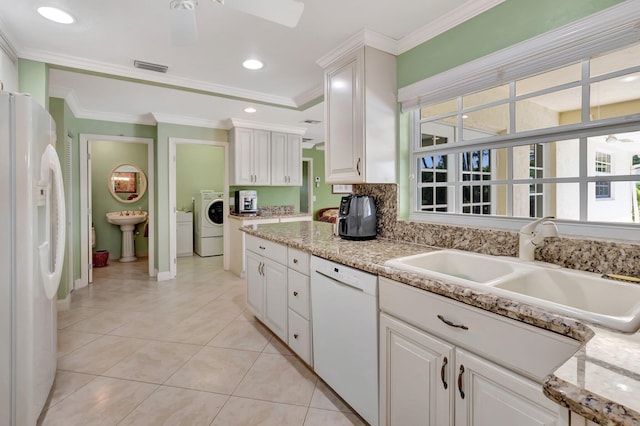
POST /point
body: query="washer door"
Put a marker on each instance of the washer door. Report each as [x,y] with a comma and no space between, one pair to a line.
[215,215]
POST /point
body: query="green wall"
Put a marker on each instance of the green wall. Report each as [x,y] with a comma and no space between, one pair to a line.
[197,167]
[324,197]
[164,132]
[501,26]
[273,195]
[33,78]
[67,123]
[105,155]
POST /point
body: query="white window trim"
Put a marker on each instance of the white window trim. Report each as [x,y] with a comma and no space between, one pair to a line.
[602,32]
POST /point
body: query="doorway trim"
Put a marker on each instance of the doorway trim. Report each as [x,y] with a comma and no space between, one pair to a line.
[310,184]
[85,209]
[173,250]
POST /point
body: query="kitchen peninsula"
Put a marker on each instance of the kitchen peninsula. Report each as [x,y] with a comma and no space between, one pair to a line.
[599,382]
[273,214]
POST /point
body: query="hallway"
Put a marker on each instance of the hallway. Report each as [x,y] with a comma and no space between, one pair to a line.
[133,351]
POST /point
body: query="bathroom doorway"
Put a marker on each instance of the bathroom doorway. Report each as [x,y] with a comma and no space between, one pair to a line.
[113,150]
[183,201]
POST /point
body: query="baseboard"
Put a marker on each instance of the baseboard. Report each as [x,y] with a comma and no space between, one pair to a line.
[64,304]
[164,276]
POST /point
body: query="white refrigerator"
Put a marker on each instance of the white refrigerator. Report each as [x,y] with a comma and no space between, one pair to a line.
[32,239]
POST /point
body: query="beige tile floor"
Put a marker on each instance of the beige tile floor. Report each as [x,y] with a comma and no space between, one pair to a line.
[133,351]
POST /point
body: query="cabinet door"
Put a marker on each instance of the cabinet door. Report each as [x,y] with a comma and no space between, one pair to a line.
[344,125]
[294,160]
[255,284]
[275,294]
[261,157]
[489,395]
[416,381]
[279,159]
[242,157]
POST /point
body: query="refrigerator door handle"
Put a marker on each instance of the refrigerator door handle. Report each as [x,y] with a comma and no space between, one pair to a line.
[51,279]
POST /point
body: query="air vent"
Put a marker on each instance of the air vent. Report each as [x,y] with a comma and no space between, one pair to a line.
[150,67]
[309,121]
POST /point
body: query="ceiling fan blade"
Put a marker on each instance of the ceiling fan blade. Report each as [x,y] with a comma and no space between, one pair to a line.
[283,12]
[184,30]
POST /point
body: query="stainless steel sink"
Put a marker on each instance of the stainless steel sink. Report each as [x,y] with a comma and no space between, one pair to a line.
[581,295]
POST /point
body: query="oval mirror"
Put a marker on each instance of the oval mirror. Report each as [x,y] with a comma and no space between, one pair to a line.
[127,183]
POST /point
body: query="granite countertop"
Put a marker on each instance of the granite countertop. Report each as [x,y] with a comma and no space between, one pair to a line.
[266,216]
[601,382]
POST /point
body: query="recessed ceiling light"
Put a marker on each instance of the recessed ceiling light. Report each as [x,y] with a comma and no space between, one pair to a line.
[250,110]
[629,79]
[56,15]
[252,64]
[465,116]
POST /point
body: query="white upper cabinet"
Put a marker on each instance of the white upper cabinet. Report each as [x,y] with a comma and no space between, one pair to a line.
[265,154]
[251,157]
[360,118]
[286,159]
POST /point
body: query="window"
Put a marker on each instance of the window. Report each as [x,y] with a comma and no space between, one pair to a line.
[550,144]
[536,171]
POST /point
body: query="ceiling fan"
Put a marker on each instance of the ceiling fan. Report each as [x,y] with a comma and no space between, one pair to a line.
[614,138]
[183,15]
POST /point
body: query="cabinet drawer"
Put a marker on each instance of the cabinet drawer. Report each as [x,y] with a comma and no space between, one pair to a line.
[300,336]
[269,249]
[529,350]
[298,260]
[299,293]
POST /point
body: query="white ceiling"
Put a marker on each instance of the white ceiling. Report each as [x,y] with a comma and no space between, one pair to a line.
[110,34]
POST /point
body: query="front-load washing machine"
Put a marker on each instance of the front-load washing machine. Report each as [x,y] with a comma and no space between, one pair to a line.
[209,220]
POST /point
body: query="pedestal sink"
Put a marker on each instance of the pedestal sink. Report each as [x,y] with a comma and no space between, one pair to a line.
[127,220]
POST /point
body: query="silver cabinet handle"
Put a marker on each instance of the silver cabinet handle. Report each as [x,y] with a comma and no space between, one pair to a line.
[445,361]
[460,381]
[358,166]
[451,324]
[295,293]
[295,336]
[295,261]
[262,247]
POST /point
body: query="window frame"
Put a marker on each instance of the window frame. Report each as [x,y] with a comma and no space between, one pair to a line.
[580,131]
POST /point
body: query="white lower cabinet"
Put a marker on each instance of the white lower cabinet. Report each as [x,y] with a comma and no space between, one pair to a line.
[267,284]
[578,420]
[429,374]
[278,292]
[415,377]
[489,395]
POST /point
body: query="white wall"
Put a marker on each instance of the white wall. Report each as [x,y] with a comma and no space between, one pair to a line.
[618,207]
[8,72]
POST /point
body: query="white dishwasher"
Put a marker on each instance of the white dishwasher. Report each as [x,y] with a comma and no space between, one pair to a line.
[344,309]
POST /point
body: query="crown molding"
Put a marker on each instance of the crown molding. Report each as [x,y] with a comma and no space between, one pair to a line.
[7,44]
[463,13]
[149,76]
[189,121]
[310,95]
[238,122]
[78,111]
[362,38]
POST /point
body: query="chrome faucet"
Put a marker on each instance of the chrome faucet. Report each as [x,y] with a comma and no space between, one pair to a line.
[529,239]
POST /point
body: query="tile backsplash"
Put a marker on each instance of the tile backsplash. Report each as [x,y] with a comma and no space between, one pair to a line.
[581,254]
